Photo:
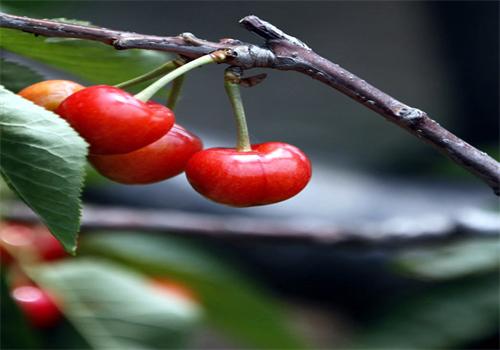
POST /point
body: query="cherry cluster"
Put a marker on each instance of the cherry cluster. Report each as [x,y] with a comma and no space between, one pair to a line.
[136,141]
[22,245]
[131,142]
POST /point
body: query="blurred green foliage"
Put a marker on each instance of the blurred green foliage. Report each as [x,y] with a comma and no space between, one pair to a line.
[115,308]
[15,76]
[453,260]
[458,305]
[445,316]
[232,303]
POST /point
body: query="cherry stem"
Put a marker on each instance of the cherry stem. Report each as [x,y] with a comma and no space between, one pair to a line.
[232,86]
[173,96]
[161,70]
[151,90]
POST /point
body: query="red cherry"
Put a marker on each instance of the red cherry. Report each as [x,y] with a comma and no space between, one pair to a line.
[15,238]
[48,247]
[16,235]
[5,258]
[38,306]
[158,161]
[270,173]
[170,287]
[113,121]
[50,93]
[30,240]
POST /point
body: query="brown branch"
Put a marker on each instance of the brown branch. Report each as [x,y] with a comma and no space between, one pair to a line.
[284,52]
[240,228]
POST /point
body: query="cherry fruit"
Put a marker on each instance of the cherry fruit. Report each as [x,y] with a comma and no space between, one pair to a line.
[169,287]
[5,258]
[270,172]
[47,246]
[38,306]
[31,240]
[160,160]
[50,93]
[113,121]
[13,239]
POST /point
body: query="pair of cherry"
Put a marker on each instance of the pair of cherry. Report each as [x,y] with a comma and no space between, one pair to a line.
[131,142]
[137,142]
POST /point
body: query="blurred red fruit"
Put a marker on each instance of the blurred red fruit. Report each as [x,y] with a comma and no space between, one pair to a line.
[37,305]
[14,237]
[5,258]
[170,287]
[47,245]
[35,240]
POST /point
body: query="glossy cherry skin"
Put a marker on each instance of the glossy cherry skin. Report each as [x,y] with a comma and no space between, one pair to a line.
[37,305]
[50,93]
[113,121]
[270,173]
[158,161]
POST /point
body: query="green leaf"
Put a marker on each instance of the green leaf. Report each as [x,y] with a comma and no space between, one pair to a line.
[448,315]
[43,160]
[5,193]
[233,304]
[115,308]
[458,259]
[93,61]
[15,76]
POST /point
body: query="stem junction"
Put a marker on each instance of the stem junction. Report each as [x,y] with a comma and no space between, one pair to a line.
[214,57]
[159,71]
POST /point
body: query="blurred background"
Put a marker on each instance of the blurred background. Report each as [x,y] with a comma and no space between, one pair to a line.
[417,263]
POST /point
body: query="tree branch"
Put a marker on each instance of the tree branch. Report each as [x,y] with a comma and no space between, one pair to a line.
[283,52]
[393,231]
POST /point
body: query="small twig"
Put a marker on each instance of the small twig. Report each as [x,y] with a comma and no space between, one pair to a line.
[284,52]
